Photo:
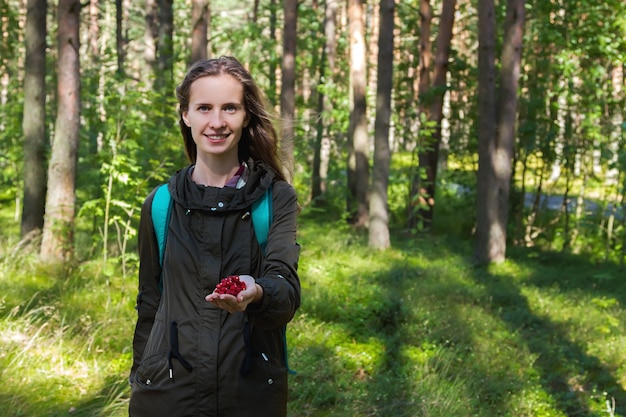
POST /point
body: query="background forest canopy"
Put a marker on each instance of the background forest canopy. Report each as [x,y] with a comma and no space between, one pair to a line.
[568,171]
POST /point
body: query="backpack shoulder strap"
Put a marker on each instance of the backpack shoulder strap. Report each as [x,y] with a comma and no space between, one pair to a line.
[262,217]
[161,211]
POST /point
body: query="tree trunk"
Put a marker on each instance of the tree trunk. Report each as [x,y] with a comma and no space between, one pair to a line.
[120,39]
[358,164]
[321,154]
[151,36]
[255,11]
[489,233]
[200,18]
[507,116]
[272,61]
[94,31]
[165,46]
[429,155]
[34,119]
[57,242]
[288,86]
[418,192]
[379,210]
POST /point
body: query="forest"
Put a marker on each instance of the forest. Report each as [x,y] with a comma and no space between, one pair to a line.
[468,155]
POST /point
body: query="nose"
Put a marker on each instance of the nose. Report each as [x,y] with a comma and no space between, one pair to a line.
[215,119]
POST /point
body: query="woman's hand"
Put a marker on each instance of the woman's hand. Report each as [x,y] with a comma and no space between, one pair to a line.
[252,294]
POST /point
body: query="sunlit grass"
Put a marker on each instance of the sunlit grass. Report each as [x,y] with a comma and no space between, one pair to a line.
[64,349]
[416,330]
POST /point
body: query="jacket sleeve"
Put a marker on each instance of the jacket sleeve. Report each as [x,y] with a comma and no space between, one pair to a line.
[279,279]
[149,295]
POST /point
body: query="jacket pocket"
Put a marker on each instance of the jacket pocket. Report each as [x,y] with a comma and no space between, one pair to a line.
[266,384]
[157,365]
[157,342]
[154,356]
[153,372]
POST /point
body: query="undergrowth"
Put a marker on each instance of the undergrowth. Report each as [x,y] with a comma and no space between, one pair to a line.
[416,330]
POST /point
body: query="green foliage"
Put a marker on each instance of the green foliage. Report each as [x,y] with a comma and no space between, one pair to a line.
[456,202]
[11,143]
[136,154]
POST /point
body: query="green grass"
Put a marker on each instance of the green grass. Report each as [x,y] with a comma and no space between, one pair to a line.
[417,330]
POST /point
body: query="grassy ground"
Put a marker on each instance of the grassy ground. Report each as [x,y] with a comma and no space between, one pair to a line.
[413,331]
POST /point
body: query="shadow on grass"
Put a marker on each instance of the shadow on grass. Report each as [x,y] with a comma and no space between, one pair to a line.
[111,400]
[568,373]
[420,306]
[395,317]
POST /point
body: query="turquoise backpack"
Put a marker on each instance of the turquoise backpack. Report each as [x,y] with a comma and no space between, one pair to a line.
[261,222]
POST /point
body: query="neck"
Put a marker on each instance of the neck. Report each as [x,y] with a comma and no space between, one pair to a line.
[214,174]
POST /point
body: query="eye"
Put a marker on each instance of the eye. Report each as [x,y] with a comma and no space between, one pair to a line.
[203,108]
[230,108]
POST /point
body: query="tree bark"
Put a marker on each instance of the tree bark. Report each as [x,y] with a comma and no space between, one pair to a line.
[430,158]
[152,35]
[273,61]
[418,193]
[426,52]
[379,210]
[120,39]
[358,162]
[200,18]
[34,119]
[94,31]
[321,154]
[507,115]
[165,46]
[489,232]
[432,87]
[288,86]
[57,241]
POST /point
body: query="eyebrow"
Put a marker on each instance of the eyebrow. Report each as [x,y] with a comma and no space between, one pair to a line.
[230,103]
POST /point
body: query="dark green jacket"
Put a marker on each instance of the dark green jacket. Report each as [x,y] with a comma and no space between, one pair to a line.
[190,357]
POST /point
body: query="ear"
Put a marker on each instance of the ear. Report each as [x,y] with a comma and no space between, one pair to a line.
[246,121]
[185,118]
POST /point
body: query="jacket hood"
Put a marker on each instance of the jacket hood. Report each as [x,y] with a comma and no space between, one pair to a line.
[194,196]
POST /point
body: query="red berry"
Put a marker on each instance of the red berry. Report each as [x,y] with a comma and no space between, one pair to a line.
[230,285]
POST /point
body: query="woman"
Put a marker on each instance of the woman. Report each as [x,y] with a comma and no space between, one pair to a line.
[197,352]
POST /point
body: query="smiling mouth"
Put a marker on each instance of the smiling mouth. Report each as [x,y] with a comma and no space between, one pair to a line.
[217,137]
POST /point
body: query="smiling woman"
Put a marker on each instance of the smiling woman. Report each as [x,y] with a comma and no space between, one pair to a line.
[216,117]
[198,350]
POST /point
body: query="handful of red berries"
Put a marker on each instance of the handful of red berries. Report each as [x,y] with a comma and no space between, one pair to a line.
[230,285]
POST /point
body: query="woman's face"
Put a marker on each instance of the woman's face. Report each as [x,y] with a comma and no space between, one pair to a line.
[216,115]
